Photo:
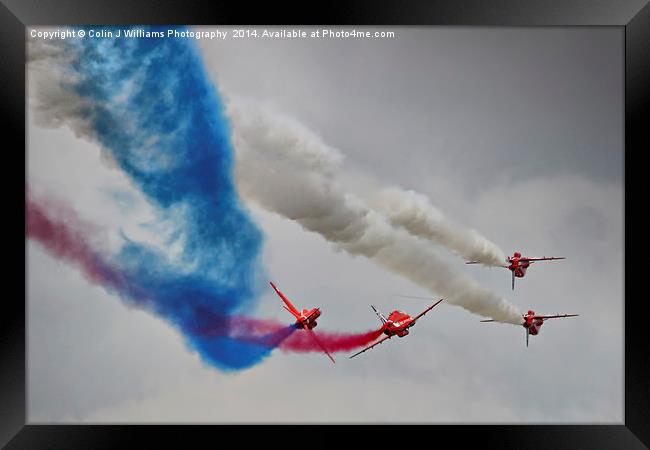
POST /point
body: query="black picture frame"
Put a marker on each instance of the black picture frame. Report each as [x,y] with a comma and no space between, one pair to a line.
[632,15]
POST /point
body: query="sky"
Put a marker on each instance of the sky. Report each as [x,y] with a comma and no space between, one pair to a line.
[514,132]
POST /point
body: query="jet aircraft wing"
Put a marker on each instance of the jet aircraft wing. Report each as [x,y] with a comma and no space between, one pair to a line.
[543,258]
[371,346]
[425,311]
[490,265]
[289,306]
[555,316]
[320,344]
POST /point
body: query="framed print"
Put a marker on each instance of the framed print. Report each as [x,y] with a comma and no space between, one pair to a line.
[406,214]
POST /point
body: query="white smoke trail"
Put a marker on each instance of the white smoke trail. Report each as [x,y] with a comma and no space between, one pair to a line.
[287,138]
[285,168]
[48,75]
[415,213]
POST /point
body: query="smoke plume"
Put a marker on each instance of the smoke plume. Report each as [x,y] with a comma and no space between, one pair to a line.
[415,213]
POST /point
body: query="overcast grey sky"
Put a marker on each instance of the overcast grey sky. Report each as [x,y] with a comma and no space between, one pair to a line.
[515,132]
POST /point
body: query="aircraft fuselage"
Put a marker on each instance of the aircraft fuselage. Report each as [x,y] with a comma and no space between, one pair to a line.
[307,319]
[532,324]
[397,324]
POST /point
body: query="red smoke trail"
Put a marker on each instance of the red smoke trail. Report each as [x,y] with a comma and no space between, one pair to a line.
[290,339]
[66,237]
[262,332]
[334,342]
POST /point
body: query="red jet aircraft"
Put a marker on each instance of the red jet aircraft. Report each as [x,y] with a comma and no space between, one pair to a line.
[518,264]
[305,320]
[532,323]
[397,323]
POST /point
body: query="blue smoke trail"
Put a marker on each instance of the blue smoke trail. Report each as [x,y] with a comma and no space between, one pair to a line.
[194,304]
[152,106]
